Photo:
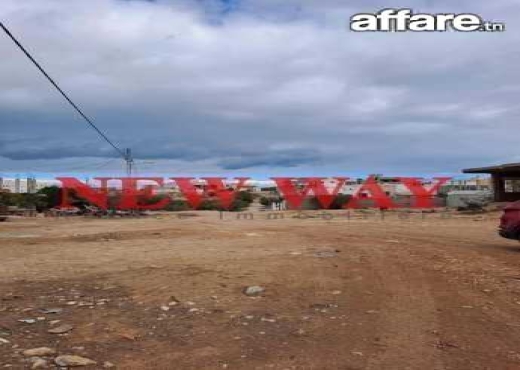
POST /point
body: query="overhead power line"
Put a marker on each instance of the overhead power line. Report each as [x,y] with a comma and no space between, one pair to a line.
[122,153]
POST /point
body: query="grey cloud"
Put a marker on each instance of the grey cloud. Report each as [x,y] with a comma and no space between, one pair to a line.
[273,158]
[267,84]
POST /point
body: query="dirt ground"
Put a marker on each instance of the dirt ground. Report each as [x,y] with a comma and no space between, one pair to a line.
[162,292]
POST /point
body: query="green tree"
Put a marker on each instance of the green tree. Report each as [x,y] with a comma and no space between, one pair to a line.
[48,197]
[265,201]
[245,196]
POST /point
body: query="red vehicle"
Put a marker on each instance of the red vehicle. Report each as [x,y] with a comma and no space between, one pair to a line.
[510,222]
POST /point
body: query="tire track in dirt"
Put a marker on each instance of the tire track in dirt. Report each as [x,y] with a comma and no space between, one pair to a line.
[477,317]
[408,316]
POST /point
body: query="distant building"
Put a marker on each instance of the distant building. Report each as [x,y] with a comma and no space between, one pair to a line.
[475,183]
[32,185]
[22,186]
[13,186]
[390,185]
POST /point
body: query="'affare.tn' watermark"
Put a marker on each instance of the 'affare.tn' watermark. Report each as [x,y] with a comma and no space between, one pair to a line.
[402,20]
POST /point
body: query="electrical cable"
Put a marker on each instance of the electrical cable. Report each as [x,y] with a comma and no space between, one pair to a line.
[87,119]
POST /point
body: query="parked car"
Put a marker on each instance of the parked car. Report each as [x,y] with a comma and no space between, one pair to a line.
[510,222]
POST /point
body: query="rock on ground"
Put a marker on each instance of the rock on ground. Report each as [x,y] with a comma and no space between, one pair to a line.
[253,290]
[39,363]
[61,329]
[40,351]
[73,361]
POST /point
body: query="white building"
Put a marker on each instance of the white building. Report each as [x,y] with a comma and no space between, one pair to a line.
[351,187]
[24,185]
[475,183]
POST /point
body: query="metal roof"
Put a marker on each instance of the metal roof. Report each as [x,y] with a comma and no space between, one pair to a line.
[508,167]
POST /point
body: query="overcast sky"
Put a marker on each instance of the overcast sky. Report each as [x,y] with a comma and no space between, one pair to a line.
[256,87]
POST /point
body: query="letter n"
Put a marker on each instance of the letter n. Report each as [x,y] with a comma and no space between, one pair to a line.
[95,197]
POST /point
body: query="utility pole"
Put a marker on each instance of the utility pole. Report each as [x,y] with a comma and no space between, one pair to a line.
[129,162]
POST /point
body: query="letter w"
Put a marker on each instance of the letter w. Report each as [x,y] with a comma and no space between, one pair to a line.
[314,185]
[214,186]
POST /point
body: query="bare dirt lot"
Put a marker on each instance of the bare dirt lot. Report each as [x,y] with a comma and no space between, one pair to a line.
[167,293]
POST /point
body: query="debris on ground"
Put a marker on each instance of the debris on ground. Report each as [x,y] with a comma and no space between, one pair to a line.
[51,310]
[62,329]
[326,254]
[252,291]
[28,321]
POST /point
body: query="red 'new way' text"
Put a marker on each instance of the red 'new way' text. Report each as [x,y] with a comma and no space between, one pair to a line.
[294,191]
